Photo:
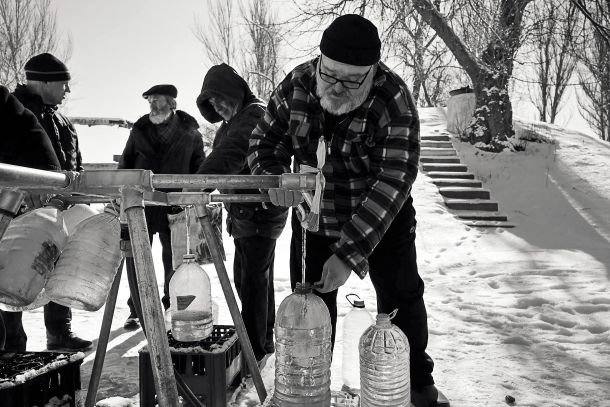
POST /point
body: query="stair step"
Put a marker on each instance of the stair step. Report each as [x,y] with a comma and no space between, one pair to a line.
[456,182]
[448,174]
[436,151]
[464,192]
[439,159]
[444,167]
[489,224]
[480,215]
[435,137]
[472,204]
[436,144]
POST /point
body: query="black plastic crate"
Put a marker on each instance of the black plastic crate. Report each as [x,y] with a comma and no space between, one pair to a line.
[208,367]
[33,378]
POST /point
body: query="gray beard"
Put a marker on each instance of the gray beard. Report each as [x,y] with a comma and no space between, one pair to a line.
[159,117]
[345,105]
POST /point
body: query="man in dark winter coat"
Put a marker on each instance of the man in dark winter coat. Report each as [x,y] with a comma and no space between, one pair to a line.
[46,86]
[363,117]
[226,96]
[22,142]
[165,141]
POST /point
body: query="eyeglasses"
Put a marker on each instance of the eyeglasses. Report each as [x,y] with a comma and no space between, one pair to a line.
[347,84]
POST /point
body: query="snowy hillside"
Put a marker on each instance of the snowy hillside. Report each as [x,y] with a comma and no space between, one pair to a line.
[522,312]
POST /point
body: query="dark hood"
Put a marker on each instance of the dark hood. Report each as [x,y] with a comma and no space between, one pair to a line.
[222,80]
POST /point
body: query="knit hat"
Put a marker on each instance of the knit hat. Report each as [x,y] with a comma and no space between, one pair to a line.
[46,68]
[353,40]
[165,89]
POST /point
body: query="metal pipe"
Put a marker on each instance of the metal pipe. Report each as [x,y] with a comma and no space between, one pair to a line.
[288,181]
[160,356]
[24,177]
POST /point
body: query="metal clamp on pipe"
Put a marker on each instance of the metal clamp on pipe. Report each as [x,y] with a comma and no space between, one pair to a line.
[10,202]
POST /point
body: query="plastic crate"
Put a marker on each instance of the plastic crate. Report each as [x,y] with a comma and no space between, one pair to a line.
[33,378]
[208,367]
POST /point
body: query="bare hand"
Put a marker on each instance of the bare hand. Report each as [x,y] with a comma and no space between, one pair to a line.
[285,197]
[334,274]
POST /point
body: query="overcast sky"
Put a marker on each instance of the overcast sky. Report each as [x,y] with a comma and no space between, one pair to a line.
[122,48]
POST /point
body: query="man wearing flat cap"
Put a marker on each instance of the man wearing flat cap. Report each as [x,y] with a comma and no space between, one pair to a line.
[165,141]
[361,113]
[46,86]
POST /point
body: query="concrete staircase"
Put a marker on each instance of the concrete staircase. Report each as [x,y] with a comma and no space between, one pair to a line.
[463,194]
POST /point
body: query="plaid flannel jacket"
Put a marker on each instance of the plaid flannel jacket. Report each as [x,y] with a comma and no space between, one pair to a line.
[371,161]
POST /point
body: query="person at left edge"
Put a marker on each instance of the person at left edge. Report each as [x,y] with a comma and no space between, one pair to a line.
[22,142]
[46,86]
[165,141]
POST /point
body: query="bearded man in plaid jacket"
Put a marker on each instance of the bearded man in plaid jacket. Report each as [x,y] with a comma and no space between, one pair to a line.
[363,115]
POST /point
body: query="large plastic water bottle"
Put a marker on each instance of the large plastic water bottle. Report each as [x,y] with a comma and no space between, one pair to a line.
[76,214]
[384,365]
[355,322]
[191,302]
[87,266]
[303,351]
[29,249]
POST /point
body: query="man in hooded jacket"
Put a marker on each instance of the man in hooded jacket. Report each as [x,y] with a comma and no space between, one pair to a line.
[226,96]
[165,141]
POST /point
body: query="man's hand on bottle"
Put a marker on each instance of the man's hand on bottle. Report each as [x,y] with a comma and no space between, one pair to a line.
[285,197]
[334,274]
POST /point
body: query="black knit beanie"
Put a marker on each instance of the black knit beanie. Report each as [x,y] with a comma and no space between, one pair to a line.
[353,40]
[46,68]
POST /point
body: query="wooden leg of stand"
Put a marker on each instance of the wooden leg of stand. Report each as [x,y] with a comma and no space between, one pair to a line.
[154,323]
[225,283]
[102,344]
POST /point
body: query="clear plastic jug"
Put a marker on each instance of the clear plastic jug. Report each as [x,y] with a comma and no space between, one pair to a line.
[303,351]
[87,266]
[29,249]
[355,322]
[384,366]
[191,302]
[76,214]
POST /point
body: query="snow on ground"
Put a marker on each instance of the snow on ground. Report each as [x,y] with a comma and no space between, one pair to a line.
[522,312]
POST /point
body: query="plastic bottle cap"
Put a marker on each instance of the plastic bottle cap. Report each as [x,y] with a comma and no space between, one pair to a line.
[359,304]
[383,320]
[302,288]
[188,258]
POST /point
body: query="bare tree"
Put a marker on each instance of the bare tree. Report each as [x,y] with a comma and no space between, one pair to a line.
[218,34]
[27,28]
[594,77]
[490,72]
[421,51]
[553,37]
[261,67]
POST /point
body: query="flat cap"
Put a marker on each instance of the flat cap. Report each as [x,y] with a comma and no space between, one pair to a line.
[164,89]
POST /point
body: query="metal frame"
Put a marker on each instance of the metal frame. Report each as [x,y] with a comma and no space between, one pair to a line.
[136,189]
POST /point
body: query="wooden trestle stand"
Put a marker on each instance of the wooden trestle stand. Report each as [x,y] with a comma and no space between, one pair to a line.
[137,188]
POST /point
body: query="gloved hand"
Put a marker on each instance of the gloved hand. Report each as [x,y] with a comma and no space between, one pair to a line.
[285,197]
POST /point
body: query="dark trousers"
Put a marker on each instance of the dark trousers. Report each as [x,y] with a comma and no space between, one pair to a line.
[56,320]
[166,256]
[253,277]
[393,272]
